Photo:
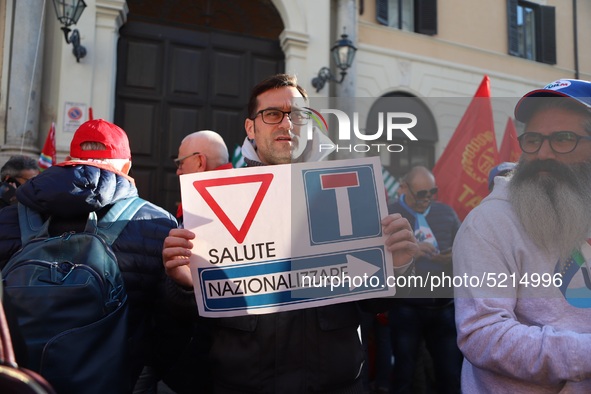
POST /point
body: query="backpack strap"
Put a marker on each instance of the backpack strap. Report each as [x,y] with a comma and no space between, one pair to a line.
[110,226]
[31,224]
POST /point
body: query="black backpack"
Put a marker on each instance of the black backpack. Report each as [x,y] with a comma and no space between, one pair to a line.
[66,302]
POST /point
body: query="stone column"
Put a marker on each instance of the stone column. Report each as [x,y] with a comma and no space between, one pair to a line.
[346,22]
[110,16]
[24,95]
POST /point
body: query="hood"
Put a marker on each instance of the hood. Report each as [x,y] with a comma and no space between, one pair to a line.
[74,190]
[501,189]
[311,152]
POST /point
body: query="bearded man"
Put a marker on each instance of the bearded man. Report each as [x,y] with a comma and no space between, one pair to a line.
[523,314]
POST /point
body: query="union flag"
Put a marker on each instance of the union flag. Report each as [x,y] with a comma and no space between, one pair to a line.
[462,170]
[510,150]
[47,157]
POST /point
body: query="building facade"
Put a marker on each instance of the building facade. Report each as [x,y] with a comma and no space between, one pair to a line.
[162,68]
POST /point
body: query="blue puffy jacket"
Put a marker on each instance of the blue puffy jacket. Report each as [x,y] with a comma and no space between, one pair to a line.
[70,193]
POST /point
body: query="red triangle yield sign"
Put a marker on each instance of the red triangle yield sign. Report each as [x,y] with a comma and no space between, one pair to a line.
[238,234]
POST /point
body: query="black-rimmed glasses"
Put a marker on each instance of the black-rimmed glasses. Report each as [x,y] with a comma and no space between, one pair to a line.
[178,162]
[560,141]
[423,194]
[275,116]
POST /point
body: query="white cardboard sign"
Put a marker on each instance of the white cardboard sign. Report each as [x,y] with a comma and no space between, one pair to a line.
[287,237]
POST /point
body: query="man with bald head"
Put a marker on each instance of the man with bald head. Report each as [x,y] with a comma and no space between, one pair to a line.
[200,151]
[426,315]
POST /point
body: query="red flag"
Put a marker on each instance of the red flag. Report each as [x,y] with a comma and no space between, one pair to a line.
[510,150]
[47,157]
[462,170]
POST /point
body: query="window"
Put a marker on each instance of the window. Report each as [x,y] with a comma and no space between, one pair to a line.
[532,31]
[419,16]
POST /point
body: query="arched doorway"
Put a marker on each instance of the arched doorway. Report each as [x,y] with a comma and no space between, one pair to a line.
[414,153]
[188,65]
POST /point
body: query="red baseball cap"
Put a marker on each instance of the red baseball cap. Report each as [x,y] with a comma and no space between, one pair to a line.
[108,134]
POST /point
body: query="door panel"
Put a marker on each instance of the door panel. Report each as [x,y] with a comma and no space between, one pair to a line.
[189,70]
[144,63]
[172,82]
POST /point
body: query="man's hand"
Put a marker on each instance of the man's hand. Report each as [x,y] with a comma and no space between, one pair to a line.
[443,257]
[401,241]
[427,250]
[175,256]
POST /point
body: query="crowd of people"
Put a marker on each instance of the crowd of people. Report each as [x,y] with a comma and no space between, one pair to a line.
[526,330]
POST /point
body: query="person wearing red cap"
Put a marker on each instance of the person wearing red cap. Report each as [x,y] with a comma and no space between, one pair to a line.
[94,177]
[110,141]
[524,316]
[103,144]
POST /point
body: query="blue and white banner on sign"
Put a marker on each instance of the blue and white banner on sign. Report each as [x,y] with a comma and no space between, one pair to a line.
[287,237]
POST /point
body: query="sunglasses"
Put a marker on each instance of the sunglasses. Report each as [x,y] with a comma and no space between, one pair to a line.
[423,194]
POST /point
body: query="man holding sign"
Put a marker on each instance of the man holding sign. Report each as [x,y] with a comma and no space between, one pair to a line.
[307,350]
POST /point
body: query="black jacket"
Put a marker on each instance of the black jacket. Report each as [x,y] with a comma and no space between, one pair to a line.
[70,193]
[314,350]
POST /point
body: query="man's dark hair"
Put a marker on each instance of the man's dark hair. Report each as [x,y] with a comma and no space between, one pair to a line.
[16,164]
[273,82]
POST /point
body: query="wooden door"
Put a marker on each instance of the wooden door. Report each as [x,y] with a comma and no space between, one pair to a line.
[173,81]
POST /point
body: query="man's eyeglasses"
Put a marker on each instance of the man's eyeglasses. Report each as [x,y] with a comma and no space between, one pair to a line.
[178,162]
[275,116]
[423,194]
[560,141]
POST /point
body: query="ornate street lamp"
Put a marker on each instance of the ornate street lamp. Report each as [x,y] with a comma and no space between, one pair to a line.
[68,12]
[343,53]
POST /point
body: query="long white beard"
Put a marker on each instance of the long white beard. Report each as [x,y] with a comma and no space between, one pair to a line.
[555,208]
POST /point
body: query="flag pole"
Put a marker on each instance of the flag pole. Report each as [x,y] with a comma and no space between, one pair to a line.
[47,158]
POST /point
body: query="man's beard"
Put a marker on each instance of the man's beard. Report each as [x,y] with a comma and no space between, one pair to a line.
[554,207]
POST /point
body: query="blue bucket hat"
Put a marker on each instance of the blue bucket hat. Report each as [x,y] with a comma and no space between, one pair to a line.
[575,89]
